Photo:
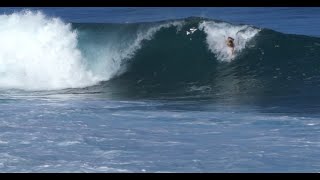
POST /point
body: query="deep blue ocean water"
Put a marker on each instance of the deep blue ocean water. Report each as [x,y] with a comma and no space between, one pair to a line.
[134,90]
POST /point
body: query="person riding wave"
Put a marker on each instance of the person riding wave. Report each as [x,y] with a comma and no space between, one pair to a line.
[230,43]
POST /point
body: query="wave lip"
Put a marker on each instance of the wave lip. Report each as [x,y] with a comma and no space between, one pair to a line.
[108,57]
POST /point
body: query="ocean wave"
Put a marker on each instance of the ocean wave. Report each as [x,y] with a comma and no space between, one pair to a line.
[45,53]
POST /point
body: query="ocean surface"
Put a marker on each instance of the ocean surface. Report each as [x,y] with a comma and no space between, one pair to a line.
[137,90]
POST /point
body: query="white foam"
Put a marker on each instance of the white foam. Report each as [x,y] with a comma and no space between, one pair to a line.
[68,143]
[40,53]
[217,34]
[3,142]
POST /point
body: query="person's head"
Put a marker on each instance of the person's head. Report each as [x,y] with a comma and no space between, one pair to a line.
[230,39]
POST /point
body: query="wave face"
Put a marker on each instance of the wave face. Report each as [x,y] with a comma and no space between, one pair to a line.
[186,56]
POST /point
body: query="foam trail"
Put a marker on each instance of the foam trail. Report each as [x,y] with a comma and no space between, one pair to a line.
[40,53]
[218,32]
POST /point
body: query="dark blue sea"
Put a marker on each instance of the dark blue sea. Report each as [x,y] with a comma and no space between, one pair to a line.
[158,90]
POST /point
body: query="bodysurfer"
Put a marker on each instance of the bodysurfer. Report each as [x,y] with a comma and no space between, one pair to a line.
[230,43]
